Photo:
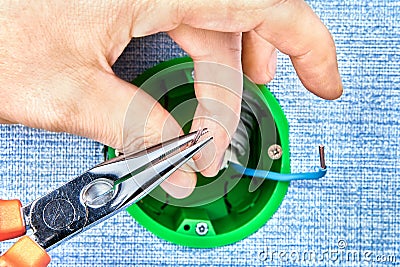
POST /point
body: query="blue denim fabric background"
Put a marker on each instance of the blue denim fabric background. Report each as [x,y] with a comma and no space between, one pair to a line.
[358,201]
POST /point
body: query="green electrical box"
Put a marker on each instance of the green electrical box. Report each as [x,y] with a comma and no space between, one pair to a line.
[228,207]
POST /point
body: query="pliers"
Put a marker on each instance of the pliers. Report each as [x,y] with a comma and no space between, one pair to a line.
[89,199]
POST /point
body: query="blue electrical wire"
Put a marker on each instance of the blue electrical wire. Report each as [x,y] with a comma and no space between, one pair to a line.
[284,177]
[276,176]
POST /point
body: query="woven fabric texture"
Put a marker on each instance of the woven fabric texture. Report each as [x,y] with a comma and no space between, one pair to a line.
[353,211]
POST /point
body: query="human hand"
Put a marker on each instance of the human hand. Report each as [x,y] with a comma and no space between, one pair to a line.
[56,58]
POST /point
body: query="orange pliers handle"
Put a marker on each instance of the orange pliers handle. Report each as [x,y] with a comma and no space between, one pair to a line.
[25,252]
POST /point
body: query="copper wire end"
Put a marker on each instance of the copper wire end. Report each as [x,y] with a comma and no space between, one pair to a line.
[322,156]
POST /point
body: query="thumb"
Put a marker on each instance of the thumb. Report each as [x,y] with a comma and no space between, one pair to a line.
[95,103]
[121,115]
[144,123]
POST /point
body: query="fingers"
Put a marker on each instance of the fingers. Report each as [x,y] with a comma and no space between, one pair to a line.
[218,87]
[294,29]
[259,58]
[146,123]
[180,184]
[290,26]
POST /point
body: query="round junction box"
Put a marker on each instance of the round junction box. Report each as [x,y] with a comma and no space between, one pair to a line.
[230,206]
